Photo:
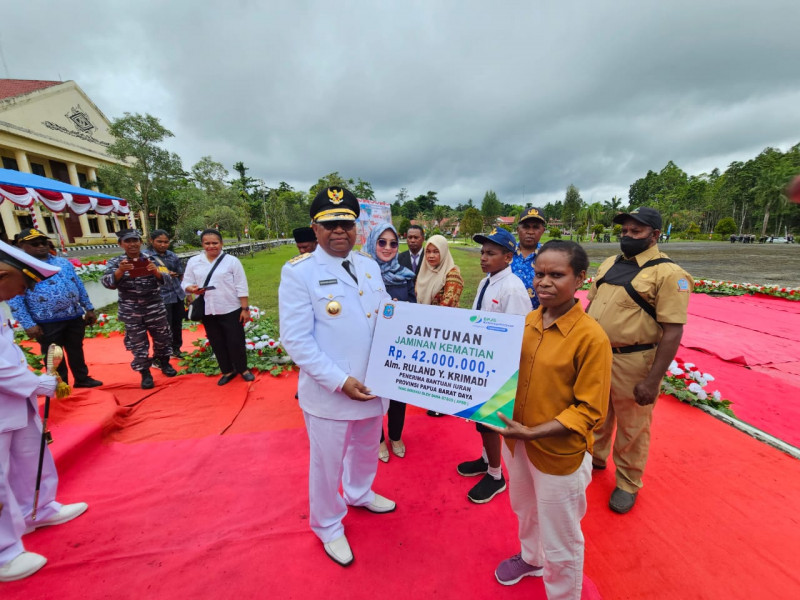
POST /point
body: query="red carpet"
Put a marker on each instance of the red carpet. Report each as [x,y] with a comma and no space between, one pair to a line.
[201,491]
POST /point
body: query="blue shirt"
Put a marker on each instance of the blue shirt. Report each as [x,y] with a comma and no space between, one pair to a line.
[62,297]
[523,268]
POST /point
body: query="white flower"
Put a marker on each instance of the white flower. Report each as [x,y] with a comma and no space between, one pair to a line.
[717,396]
[702,395]
[688,365]
[260,345]
[708,377]
[695,388]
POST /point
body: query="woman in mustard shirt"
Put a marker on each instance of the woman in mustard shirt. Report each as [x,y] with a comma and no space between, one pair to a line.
[562,394]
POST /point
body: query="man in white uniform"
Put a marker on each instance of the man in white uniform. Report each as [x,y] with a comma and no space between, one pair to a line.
[329,302]
[21,431]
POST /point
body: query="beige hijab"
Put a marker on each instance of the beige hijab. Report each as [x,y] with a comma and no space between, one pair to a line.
[430,280]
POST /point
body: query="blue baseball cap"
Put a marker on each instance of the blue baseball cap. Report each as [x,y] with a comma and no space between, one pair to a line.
[501,237]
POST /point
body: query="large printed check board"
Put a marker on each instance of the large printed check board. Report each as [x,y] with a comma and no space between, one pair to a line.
[451,360]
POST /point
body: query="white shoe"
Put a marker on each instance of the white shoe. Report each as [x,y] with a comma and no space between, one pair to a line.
[383,452]
[399,448]
[380,505]
[339,551]
[67,513]
[24,565]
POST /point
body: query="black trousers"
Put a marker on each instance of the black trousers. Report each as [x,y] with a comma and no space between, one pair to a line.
[175,313]
[68,335]
[397,418]
[226,336]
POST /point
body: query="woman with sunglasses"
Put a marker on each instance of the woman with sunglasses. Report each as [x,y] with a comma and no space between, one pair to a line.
[381,245]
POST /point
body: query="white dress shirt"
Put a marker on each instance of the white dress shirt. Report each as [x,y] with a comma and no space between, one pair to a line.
[228,280]
[506,294]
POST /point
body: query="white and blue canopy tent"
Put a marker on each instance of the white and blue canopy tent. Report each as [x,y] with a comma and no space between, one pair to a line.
[24,189]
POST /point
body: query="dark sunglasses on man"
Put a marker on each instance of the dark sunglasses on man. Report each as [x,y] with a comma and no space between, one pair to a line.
[332,225]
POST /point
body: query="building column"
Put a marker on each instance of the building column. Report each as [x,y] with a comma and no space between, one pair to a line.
[82,219]
[25,167]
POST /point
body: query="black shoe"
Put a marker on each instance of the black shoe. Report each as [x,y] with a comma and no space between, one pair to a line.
[177,353]
[87,383]
[486,489]
[169,370]
[433,413]
[471,468]
[155,363]
[147,380]
[621,501]
[248,376]
[226,378]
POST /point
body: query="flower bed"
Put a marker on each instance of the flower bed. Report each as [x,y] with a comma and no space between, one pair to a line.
[687,383]
[90,271]
[264,350]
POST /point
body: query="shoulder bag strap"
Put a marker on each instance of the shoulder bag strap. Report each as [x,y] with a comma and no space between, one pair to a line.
[211,272]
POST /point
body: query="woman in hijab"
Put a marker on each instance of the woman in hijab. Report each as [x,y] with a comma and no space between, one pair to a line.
[439,281]
[381,245]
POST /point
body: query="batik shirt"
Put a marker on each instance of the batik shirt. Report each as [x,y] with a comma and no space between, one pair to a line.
[523,268]
[62,297]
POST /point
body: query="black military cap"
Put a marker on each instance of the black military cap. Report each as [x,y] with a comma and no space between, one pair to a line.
[126,234]
[334,204]
[304,234]
[28,235]
[644,214]
[532,213]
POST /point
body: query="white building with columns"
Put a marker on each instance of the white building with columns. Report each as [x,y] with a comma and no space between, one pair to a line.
[52,129]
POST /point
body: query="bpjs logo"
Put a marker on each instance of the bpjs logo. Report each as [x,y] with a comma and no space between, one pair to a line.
[476,319]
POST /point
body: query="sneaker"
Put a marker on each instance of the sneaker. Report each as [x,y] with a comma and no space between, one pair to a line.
[486,489]
[471,468]
[147,380]
[87,383]
[169,370]
[511,570]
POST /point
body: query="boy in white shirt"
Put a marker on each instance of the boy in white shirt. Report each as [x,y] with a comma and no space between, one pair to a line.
[503,292]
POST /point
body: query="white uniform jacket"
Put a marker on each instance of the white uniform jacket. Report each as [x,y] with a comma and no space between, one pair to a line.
[17,382]
[506,294]
[327,322]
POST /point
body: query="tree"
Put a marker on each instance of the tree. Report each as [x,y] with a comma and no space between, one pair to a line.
[491,208]
[472,222]
[404,225]
[426,202]
[725,227]
[152,171]
[572,206]
[692,231]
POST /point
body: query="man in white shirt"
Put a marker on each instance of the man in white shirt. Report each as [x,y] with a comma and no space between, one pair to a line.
[21,432]
[503,292]
[328,302]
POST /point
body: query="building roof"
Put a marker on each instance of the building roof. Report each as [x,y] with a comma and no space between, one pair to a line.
[18,87]
[506,220]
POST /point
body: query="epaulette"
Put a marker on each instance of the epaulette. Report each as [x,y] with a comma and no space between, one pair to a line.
[362,253]
[299,258]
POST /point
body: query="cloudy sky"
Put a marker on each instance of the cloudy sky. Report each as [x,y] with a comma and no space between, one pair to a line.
[523,98]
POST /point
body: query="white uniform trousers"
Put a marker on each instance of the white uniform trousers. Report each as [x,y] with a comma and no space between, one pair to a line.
[19,459]
[343,452]
[549,509]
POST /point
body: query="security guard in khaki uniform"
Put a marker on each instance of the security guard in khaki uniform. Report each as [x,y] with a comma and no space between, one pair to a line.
[640,299]
[328,302]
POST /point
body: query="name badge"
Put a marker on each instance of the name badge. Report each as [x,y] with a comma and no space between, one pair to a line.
[328,281]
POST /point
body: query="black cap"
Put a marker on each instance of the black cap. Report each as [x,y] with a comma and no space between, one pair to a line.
[531,213]
[334,204]
[126,234]
[32,268]
[644,214]
[304,234]
[30,234]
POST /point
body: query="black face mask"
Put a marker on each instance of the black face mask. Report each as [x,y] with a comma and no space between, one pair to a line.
[632,246]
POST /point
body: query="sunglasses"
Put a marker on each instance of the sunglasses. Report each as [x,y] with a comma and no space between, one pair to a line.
[390,243]
[345,225]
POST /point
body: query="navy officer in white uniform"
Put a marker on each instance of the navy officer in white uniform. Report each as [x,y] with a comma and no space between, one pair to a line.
[329,302]
[21,431]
